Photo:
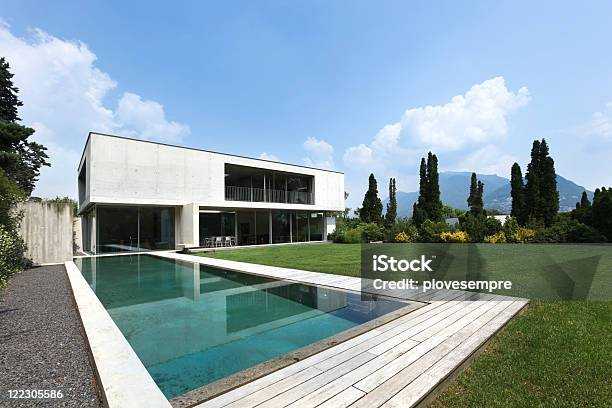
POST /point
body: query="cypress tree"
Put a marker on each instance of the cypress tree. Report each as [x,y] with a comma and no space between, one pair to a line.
[518,194]
[549,196]
[433,184]
[473,191]
[584,200]
[532,188]
[428,206]
[419,212]
[602,212]
[475,199]
[392,204]
[371,209]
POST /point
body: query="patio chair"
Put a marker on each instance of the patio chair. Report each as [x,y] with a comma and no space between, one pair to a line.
[218,242]
[228,241]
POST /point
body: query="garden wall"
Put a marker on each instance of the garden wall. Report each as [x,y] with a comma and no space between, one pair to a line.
[47,230]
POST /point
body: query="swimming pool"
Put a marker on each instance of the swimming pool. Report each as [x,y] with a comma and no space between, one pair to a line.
[192,325]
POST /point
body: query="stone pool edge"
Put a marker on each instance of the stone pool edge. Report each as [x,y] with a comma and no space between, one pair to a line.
[123,379]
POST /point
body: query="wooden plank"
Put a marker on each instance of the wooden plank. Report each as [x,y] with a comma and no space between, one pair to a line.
[290,395]
[265,394]
[389,388]
[340,384]
[378,377]
[343,399]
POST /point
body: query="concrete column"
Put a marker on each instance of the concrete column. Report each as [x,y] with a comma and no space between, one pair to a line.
[190,226]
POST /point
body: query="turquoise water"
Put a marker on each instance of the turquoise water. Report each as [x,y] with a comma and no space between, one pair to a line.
[191,325]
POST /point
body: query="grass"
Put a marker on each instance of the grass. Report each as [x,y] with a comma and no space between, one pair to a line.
[536,271]
[556,354]
[328,258]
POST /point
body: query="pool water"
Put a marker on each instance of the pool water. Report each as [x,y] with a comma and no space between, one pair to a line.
[191,324]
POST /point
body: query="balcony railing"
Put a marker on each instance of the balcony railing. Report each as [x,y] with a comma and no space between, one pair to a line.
[234,193]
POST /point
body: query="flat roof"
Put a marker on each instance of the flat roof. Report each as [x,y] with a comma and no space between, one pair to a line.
[200,150]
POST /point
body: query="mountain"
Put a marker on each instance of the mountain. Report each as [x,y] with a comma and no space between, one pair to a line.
[454,189]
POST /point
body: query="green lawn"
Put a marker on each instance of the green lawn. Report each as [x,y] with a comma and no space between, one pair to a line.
[544,272]
[556,354]
[328,258]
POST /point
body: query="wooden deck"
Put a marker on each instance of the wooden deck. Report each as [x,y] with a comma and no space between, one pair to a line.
[398,364]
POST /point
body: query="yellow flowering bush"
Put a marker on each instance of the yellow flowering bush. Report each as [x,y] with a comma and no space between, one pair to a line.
[498,238]
[456,237]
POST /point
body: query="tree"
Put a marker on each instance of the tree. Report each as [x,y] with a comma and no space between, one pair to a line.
[549,196]
[532,188]
[584,200]
[517,191]
[475,199]
[391,214]
[428,206]
[9,103]
[371,209]
[419,212]
[433,183]
[541,195]
[602,212]
[20,158]
[583,212]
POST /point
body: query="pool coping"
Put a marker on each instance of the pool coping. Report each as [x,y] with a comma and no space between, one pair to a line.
[124,381]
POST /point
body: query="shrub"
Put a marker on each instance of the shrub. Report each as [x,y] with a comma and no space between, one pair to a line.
[12,248]
[497,238]
[430,231]
[510,227]
[372,232]
[522,235]
[456,237]
[346,236]
[410,235]
[475,226]
[492,226]
[567,229]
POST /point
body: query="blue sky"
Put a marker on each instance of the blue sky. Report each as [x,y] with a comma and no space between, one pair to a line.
[334,84]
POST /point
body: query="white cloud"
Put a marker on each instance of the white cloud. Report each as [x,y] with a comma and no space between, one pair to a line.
[478,117]
[266,156]
[600,124]
[358,155]
[64,98]
[488,160]
[147,120]
[461,132]
[319,153]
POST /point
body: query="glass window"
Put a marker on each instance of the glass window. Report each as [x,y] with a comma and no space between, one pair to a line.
[117,229]
[317,225]
[263,227]
[246,228]
[302,227]
[228,224]
[156,228]
[280,226]
[132,229]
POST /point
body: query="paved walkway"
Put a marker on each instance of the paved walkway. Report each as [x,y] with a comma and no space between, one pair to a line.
[399,364]
[41,346]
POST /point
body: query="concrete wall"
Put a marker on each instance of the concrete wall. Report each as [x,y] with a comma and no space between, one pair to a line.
[127,171]
[47,231]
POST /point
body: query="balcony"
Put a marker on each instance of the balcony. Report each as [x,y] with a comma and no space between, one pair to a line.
[235,193]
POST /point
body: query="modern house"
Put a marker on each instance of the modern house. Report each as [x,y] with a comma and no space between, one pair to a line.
[137,195]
